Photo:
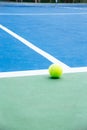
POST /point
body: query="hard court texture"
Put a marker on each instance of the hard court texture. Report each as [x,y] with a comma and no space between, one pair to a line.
[42,103]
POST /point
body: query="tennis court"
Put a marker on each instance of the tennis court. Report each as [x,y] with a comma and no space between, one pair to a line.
[32,37]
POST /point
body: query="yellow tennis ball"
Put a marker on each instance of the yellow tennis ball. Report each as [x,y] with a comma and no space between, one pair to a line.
[55,71]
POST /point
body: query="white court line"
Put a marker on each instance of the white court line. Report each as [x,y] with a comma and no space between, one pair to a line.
[66,69]
[77,8]
[38,72]
[42,14]
[35,48]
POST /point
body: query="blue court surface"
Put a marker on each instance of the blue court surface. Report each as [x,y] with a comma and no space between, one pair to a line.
[33,36]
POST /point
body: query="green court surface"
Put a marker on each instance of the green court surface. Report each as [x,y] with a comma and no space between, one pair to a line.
[42,103]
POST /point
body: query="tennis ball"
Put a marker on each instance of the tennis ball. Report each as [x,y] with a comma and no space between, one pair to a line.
[55,70]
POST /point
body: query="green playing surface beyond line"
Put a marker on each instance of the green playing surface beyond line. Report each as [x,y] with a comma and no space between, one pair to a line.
[42,103]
